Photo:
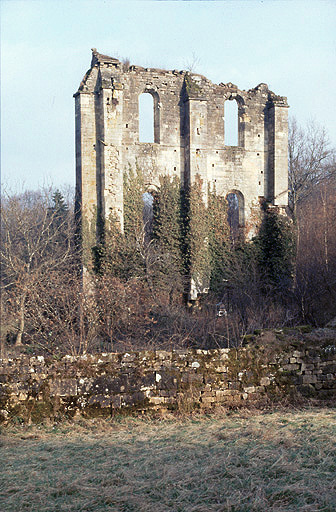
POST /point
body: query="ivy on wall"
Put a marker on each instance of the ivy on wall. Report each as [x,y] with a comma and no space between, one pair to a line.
[188,241]
[197,254]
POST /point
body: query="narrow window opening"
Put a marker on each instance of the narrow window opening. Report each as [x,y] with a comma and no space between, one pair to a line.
[174,168]
[126,125]
[231,123]
[146,118]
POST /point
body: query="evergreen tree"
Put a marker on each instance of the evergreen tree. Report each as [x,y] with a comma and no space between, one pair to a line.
[107,255]
[167,216]
[167,236]
[276,247]
[58,214]
[59,205]
[134,189]
[219,239]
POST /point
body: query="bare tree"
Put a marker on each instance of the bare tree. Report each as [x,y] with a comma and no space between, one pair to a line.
[316,254]
[36,238]
[311,160]
[61,313]
[192,63]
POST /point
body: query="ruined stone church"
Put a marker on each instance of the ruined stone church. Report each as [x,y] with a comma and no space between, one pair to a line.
[189,137]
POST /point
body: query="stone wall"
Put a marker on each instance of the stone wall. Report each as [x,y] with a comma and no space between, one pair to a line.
[33,388]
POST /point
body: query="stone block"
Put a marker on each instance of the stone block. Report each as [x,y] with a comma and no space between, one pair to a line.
[170,400]
[156,400]
[63,387]
[207,399]
[234,385]
[222,369]
[250,389]
[208,394]
[297,353]
[309,379]
[195,364]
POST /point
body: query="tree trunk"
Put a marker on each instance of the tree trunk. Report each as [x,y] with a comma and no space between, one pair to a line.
[324,201]
[18,341]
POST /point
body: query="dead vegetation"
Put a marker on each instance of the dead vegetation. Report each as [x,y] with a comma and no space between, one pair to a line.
[274,461]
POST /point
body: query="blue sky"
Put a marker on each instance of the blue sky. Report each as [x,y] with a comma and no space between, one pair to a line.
[45,51]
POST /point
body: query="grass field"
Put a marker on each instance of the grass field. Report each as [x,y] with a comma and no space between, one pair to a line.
[241,461]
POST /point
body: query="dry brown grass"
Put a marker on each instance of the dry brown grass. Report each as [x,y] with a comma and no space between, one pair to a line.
[245,461]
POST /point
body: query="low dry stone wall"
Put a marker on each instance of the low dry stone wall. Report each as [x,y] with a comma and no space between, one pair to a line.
[34,388]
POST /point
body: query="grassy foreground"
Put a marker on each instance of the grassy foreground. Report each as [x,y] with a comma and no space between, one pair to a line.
[226,462]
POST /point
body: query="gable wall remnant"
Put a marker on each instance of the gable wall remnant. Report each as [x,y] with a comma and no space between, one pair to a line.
[188,136]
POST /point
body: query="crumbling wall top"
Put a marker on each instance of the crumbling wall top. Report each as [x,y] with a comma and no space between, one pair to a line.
[99,58]
[196,86]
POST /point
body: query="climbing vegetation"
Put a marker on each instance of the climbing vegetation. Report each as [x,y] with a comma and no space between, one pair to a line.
[197,254]
[172,240]
[166,242]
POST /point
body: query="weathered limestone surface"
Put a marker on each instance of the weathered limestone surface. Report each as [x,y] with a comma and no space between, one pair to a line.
[146,380]
[188,136]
